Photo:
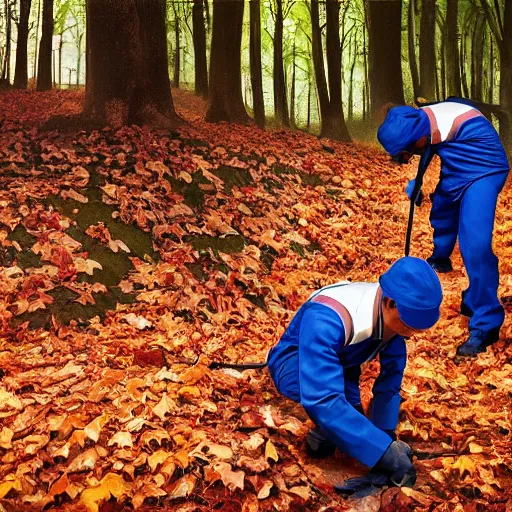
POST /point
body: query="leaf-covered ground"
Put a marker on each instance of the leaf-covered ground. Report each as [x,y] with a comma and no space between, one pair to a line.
[129,260]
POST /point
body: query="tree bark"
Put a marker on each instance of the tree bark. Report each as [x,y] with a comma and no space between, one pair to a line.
[478,58]
[61,44]
[331,109]
[292,90]
[491,69]
[452,49]
[36,38]
[21,70]
[199,35]
[255,63]
[411,46]
[428,49]
[127,76]
[225,94]
[385,38]
[177,63]
[280,100]
[44,66]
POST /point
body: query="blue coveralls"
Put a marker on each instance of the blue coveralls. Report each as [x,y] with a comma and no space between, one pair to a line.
[474,168]
[311,365]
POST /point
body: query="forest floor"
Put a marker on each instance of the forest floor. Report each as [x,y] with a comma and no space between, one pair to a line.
[131,259]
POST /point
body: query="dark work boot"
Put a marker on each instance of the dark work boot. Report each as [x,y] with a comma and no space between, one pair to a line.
[464,308]
[440,265]
[317,446]
[478,342]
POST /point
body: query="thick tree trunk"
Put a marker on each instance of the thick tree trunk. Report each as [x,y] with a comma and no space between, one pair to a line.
[44,66]
[127,76]
[506,77]
[21,70]
[428,49]
[225,92]
[411,46]
[199,34]
[255,62]
[331,109]
[452,49]
[385,39]
[280,101]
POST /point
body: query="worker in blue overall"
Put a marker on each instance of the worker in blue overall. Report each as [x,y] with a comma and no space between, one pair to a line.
[474,168]
[317,362]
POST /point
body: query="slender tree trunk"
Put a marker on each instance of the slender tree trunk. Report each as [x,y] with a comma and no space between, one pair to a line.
[6,71]
[255,63]
[491,69]
[199,35]
[442,53]
[309,105]
[21,70]
[280,100]
[44,67]
[366,88]
[60,59]
[36,38]
[452,49]
[79,58]
[351,83]
[463,74]
[127,75]
[428,49]
[292,91]
[225,93]
[385,39]
[177,63]
[411,46]
[478,58]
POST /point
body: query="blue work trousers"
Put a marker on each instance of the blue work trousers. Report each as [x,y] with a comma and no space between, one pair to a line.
[470,217]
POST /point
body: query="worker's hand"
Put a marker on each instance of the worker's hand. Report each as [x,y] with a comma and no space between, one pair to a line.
[396,463]
[409,189]
[362,486]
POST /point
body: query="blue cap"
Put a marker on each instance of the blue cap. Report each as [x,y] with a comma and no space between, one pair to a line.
[402,127]
[416,290]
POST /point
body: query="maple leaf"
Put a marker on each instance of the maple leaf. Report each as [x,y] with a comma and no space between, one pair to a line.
[86,265]
[93,429]
[231,479]
[111,484]
[164,407]
[183,487]
[137,321]
[121,439]
[84,461]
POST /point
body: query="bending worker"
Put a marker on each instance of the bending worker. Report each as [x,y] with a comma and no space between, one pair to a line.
[317,362]
[474,169]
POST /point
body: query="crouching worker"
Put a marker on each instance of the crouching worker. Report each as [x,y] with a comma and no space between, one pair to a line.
[317,363]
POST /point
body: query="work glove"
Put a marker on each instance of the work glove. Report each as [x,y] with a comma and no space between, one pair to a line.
[409,189]
[396,463]
[363,486]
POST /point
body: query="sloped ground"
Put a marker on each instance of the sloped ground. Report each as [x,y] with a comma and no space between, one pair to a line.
[129,260]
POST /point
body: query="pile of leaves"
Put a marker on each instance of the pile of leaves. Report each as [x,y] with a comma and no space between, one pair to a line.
[131,259]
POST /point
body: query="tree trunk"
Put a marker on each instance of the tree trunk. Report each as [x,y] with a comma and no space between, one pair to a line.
[225,92]
[44,66]
[331,108]
[7,57]
[452,49]
[411,46]
[491,69]
[60,60]
[292,91]
[506,77]
[366,88]
[255,62]
[127,76]
[385,39]
[79,59]
[442,52]
[477,56]
[21,70]
[309,106]
[177,63]
[428,49]
[36,38]
[199,35]
[463,75]
[351,83]
[280,100]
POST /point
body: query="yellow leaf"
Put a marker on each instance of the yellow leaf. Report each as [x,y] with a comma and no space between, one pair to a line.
[157,458]
[121,439]
[165,406]
[6,438]
[7,485]
[92,431]
[191,391]
[416,495]
[300,490]
[270,451]
[465,463]
[264,492]
[110,485]
[475,448]
[84,461]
